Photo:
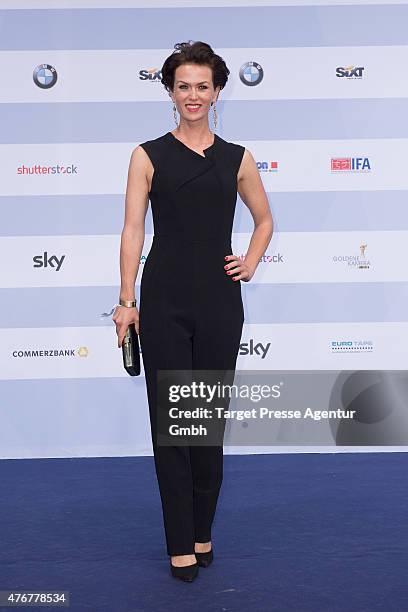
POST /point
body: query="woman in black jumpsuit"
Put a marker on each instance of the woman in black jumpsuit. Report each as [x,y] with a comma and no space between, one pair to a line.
[191,312]
[192,319]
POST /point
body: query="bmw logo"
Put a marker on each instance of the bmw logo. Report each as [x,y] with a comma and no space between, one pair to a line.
[45,76]
[251,73]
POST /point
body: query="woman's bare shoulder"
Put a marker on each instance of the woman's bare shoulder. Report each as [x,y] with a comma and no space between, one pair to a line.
[150,150]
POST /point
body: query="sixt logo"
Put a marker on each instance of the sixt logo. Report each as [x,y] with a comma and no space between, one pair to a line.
[250,348]
[43,261]
[350,72]
[151,74]
[350,164]
[265,166]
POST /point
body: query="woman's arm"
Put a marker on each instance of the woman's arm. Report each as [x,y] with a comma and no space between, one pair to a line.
[252,193]
[132,237]
[133,233]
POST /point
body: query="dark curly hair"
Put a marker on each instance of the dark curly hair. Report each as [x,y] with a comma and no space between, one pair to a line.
[194,52]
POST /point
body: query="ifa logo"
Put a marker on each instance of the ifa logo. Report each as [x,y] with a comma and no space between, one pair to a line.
[350,164]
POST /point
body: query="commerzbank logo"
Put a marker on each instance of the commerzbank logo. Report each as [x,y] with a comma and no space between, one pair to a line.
[45,76]
[50,352]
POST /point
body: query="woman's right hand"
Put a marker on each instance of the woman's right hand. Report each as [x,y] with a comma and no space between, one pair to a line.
[123,317]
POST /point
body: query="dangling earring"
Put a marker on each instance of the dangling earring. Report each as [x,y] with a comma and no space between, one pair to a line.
[215,115]
[174,113]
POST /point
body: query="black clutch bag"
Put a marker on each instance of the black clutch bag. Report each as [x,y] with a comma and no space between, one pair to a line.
[131,351]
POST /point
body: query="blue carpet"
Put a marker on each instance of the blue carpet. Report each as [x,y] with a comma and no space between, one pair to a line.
[293,532]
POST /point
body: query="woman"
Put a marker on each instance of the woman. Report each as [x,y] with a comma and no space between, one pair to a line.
[191,312]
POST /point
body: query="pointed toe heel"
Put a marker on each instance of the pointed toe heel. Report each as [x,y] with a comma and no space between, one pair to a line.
[204,559]
[187,572]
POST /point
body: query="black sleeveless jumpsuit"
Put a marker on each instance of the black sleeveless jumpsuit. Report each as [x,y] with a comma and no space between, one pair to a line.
[191,313]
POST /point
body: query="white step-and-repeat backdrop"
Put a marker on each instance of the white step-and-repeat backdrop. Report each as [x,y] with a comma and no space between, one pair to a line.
[317,92]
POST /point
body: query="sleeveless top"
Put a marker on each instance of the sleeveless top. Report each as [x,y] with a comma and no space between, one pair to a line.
[192,196]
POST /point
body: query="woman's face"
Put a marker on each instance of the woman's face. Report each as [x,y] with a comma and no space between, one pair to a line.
[193,91]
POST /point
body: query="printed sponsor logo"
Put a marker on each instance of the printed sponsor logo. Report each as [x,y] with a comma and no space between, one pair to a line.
[352,346]
[45,76]
[267,166]
[34,169]
[350,164]
[48,261]
[251,74]
[253,348]
[81,351]
[152,75]
[355,260]
[349,72]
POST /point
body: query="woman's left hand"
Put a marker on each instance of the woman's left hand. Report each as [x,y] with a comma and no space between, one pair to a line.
[234,265]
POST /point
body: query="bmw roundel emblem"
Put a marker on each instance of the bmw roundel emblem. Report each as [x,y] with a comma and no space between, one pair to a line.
[45,76]
[251,73]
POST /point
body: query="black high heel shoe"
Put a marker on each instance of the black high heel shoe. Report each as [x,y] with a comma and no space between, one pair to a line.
[186,572]
[204,558]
